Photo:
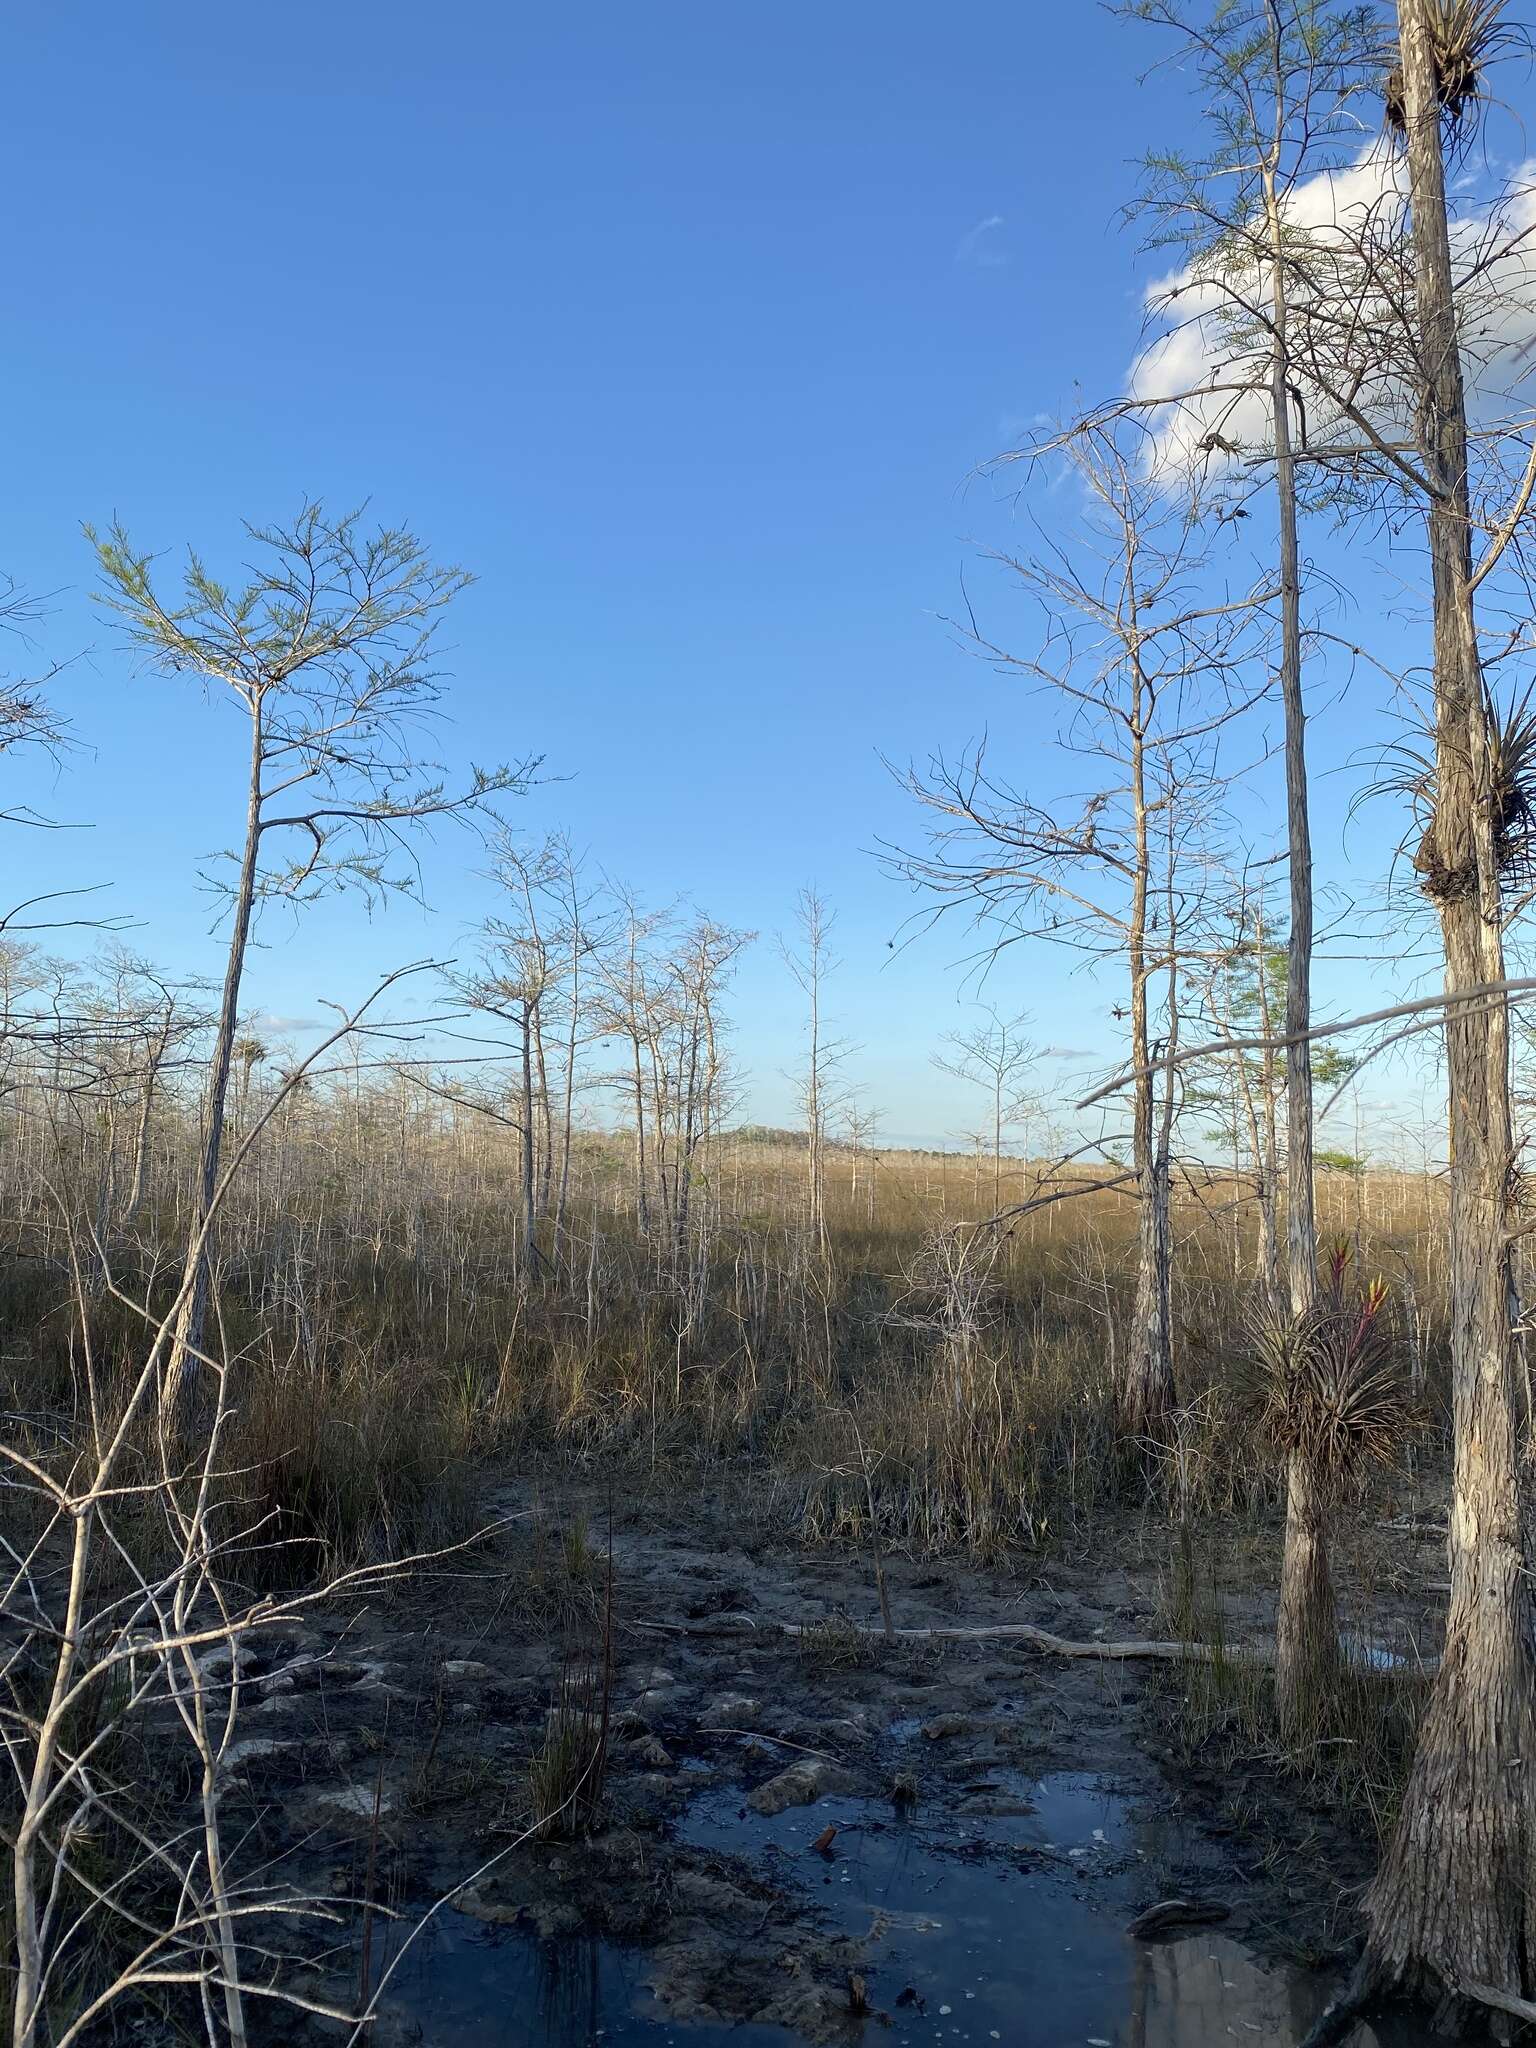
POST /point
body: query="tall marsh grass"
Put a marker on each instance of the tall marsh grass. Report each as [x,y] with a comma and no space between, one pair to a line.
[388,1336]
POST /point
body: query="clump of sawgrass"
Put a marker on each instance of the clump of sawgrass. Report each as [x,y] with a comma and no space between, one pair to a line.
[579,1556]
[1358,1739]
[1003,1442]
[345,1465]
[566,1771]
[437,1781]
[1355,1755]
[836,1643]
[1208,1463]
[1465,36]
[555,1586]
[1189,1601]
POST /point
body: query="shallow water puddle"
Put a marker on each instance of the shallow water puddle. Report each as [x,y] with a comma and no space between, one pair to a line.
[491,1987]
[1369,1656]
[1002,1927]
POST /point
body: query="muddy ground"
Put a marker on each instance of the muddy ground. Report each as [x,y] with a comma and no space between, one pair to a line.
[385,1749]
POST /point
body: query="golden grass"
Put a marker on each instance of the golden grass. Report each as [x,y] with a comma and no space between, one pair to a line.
[385,1342]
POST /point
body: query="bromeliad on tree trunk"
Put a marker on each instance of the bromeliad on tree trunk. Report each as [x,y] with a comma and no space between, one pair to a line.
[1331,1401]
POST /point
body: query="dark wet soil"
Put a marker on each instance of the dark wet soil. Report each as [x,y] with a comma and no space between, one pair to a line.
[996,1818]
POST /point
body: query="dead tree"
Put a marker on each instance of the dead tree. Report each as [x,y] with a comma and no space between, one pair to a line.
[1221,394]
[623,1008]
[698,1092]
[1150,661]
[817,1083]
[532,978]
[860,1127]
[141,1658]
[994,1057]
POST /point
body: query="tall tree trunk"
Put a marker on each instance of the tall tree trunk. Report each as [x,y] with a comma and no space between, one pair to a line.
[997,1141]
[662,1140]
[1455,1900]
[155,1051]
[568,1094]
[546,1115]
[1266,1126]
[642,1182]
[813,1112]
[530,1194]
[1306,1617]
[688,1136]
[1306,1622]
[1148,1396]
[179,1387]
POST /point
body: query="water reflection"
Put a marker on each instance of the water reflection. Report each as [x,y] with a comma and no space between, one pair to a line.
[1211,1989]
[1006,1929]
[468,1986]
[569,2000]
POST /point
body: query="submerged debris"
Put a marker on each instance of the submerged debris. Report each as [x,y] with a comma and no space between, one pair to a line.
[1170,1915]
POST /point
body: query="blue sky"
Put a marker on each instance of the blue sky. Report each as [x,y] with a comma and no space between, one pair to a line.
[683,328]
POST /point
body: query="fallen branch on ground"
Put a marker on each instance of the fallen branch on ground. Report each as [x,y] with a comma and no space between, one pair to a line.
[1260,1655]
[1003,1631]
[756,1735]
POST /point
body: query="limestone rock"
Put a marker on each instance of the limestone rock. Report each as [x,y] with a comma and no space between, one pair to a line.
[733,1710]
[358,1800]
[801,1785]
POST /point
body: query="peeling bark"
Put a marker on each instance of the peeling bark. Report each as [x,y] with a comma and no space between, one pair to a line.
[1455,1901]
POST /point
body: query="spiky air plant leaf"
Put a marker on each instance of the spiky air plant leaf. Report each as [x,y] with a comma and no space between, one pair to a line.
[1514,787]
[1465,36]
[1326,1384]
[1409,772]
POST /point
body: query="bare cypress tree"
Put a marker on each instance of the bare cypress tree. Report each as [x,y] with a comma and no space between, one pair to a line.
[820,1097]
[1278,79]
[583,940]
[700,972]
[326,649]
[1306,1621]
[524,969]
[1243,1103]
[624,1011]
[860,1128]
[994,1057]
[159,1018]
[1149,662]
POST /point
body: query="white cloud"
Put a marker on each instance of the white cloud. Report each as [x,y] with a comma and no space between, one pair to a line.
[978,245]
[1360,204]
